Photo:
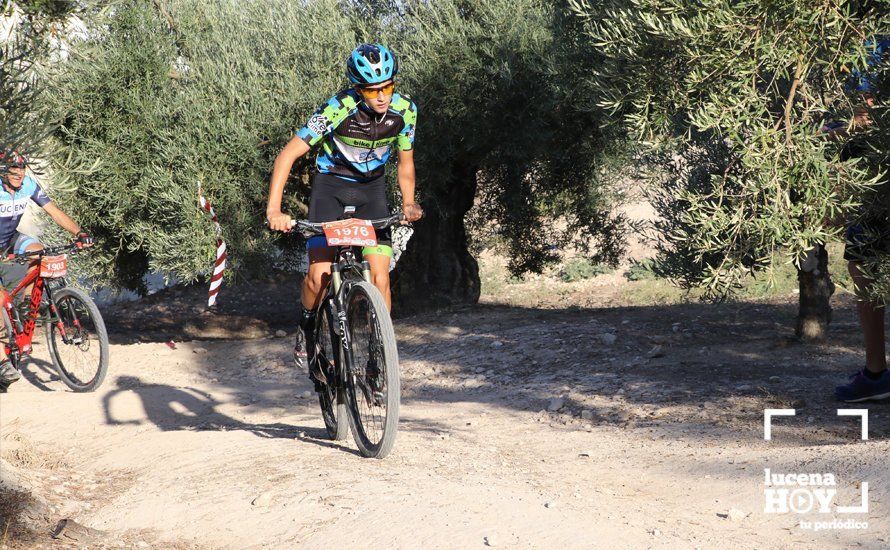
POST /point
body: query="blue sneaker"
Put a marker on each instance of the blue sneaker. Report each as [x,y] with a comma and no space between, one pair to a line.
[863,388]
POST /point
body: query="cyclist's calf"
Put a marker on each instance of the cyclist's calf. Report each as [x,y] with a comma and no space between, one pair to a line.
[380,275]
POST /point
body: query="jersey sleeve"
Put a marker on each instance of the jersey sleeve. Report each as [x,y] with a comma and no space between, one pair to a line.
[38,195]
[326,118]
[405,141]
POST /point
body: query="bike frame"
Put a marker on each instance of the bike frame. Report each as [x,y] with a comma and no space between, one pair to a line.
[336,295]
[24,336]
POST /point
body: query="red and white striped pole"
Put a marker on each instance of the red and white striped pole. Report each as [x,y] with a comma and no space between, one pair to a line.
[219,266]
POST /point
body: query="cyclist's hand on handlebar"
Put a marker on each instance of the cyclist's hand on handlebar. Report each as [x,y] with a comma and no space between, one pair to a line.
[84,240]
[412,211]
[279,221]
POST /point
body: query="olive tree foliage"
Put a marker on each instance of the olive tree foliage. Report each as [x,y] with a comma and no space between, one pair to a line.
[19,128]
[502,125]
[161,96]
[729,98]
[39,21]
[25,28]
[164,96]
[41,12]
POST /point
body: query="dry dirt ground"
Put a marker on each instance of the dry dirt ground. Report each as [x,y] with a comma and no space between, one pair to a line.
[567,422]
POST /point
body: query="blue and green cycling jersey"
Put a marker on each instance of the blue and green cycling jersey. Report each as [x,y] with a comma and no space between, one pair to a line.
[355,141]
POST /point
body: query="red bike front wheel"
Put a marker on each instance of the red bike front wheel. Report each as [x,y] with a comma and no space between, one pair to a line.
[77,339]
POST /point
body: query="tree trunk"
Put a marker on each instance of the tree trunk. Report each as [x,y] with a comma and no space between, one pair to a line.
[437,269]
[816,288]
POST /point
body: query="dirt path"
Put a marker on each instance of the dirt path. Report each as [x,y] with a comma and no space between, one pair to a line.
[654,434]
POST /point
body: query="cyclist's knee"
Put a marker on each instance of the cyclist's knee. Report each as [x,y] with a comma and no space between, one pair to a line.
[33,247]
[315,282]
[381,281]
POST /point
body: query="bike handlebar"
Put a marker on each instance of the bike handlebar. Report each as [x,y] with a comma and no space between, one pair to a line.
[309,229]
[31,255]
[314,228]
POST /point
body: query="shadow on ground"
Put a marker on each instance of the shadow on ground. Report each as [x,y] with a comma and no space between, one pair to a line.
[665,367]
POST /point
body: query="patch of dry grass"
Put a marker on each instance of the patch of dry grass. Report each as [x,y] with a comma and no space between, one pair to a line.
[20,452]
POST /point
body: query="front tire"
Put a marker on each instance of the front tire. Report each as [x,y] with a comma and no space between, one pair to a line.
[77,339]
[373,389]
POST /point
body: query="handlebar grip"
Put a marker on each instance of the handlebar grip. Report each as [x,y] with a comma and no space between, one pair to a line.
[293,223]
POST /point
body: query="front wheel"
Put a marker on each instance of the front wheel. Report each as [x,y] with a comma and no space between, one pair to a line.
[372,381]
[77,339]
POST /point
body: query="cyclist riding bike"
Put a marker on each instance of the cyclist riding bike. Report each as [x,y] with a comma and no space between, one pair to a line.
[17,190]
[357,130]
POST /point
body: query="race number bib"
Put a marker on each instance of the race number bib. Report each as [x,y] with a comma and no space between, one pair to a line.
[52,267]
[351,232]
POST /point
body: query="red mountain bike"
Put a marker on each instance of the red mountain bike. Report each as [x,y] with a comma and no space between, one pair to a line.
[75,332]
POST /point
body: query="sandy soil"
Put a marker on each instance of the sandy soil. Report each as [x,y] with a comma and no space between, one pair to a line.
[545,425]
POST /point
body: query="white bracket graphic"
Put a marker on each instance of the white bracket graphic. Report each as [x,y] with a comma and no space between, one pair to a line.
[862,508]
[861,413]
[768,415]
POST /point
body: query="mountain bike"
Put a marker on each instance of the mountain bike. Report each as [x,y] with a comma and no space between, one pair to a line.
[75,332]
[355,345]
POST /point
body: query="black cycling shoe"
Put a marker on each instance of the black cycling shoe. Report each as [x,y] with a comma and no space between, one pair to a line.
[302,360]
[300,355]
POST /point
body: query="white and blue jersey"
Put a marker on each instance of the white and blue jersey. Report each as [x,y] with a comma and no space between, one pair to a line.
[12,208]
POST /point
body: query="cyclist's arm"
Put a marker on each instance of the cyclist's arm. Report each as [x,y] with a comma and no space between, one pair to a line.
[406,185]
[405,146]
[61,218]
[295,149]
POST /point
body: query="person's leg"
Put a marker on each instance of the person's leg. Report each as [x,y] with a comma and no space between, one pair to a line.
[376,207]
[22,243]
[32,266]
[317,277]
[378,259]
[871,318]
[314,285]
[379,262]
[323,207]
[872,382]
[6,250]
[8,373]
